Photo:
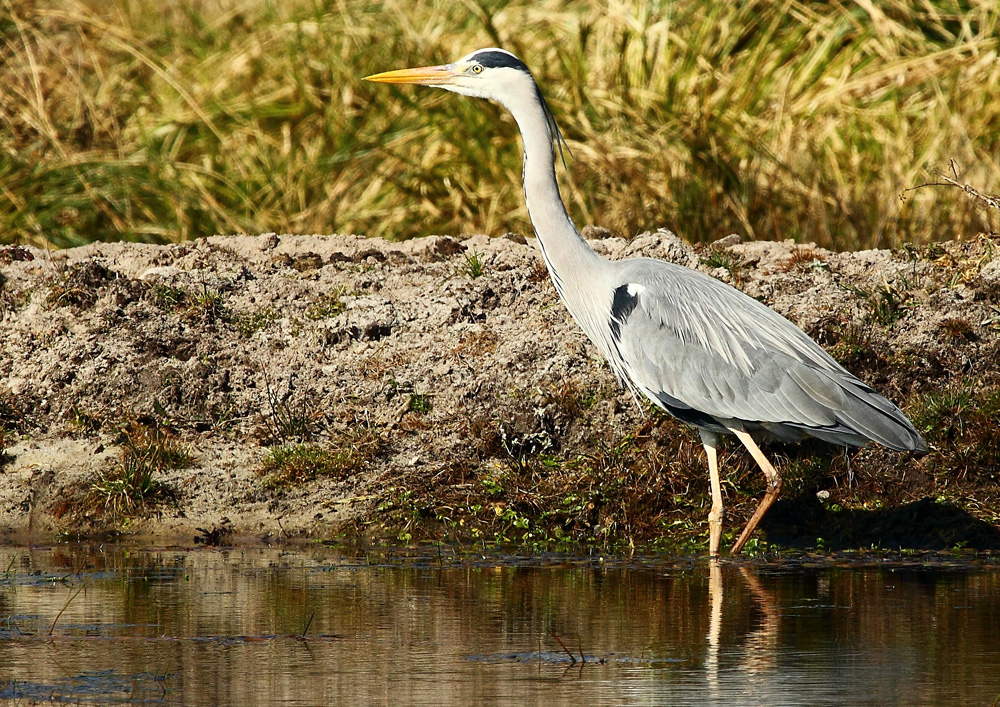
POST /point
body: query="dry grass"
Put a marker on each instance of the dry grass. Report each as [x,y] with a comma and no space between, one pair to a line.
[135,120]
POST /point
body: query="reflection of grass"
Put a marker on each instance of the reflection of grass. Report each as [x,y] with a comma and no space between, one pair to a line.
[144,123]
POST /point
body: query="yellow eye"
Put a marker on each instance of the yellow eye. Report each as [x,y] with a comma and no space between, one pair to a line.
[477,69]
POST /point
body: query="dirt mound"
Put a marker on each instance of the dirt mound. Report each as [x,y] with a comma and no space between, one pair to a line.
[307,384]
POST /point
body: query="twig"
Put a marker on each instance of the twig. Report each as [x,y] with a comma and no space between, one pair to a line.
[308,624]
[583,658]
[571,656]
[990,200]
[66,606]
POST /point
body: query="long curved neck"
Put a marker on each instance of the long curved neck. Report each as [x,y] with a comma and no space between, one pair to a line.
[563,248]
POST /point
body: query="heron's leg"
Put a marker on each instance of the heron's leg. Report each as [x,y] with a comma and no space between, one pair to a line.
[773,487]
[710,440]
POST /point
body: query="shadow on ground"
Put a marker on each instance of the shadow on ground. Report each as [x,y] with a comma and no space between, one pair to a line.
[921,525]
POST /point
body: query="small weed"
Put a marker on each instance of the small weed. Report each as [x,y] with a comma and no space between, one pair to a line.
[78,286]
[394,498]
[474,266]
[569,399]
[83,422]
[419,403]
[727,260]
[250,323]
[65,293]
[945,414]
[803,258]
[208,304]
[168,298]
[853,344]
[721,258]
[289,464]
[327,306]
[886,304]
[933,251]
[131,486]
[289,422]
[492,485]
[346,454]
[960,424]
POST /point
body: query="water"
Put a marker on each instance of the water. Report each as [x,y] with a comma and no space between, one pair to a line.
[271,626]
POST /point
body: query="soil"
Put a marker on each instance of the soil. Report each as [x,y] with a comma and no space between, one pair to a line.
[433,368]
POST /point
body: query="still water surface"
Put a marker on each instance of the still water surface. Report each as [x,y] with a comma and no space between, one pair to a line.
[319,626]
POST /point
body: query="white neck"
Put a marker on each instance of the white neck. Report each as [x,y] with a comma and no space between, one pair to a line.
[564,249]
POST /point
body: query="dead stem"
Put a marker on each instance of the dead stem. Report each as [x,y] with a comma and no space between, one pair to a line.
[66,606]
[572,657]
[991,201]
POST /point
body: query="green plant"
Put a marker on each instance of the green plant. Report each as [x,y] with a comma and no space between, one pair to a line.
[419,403]
[168,298]
[209,304]
[250,323]
[131,486]
[346,454]
[289,421]
[84,422]
[328,305]
[474,266]
[722,258]
[289,464]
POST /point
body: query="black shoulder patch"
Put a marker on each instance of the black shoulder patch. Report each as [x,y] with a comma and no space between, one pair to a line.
[493,59]
[621,306]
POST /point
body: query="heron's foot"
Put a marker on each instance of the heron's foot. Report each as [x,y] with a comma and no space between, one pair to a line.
[773,488]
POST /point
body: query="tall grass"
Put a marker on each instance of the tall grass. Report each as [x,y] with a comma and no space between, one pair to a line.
[152,121]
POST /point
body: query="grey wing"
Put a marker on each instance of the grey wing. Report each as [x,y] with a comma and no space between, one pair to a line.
[711,355]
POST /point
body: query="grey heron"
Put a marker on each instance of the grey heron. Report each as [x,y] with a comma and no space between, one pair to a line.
[700,350]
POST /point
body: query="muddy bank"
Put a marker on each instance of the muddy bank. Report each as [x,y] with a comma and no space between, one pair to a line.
[266,386]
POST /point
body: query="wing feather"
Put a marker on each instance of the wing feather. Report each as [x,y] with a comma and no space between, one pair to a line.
[705,350]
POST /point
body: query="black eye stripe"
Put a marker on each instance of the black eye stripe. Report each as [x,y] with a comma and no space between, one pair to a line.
[500,60]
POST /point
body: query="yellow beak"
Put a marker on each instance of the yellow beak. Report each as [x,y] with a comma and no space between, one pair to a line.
[424,75]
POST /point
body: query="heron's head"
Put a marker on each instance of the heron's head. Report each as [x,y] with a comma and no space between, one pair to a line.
[485,73]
